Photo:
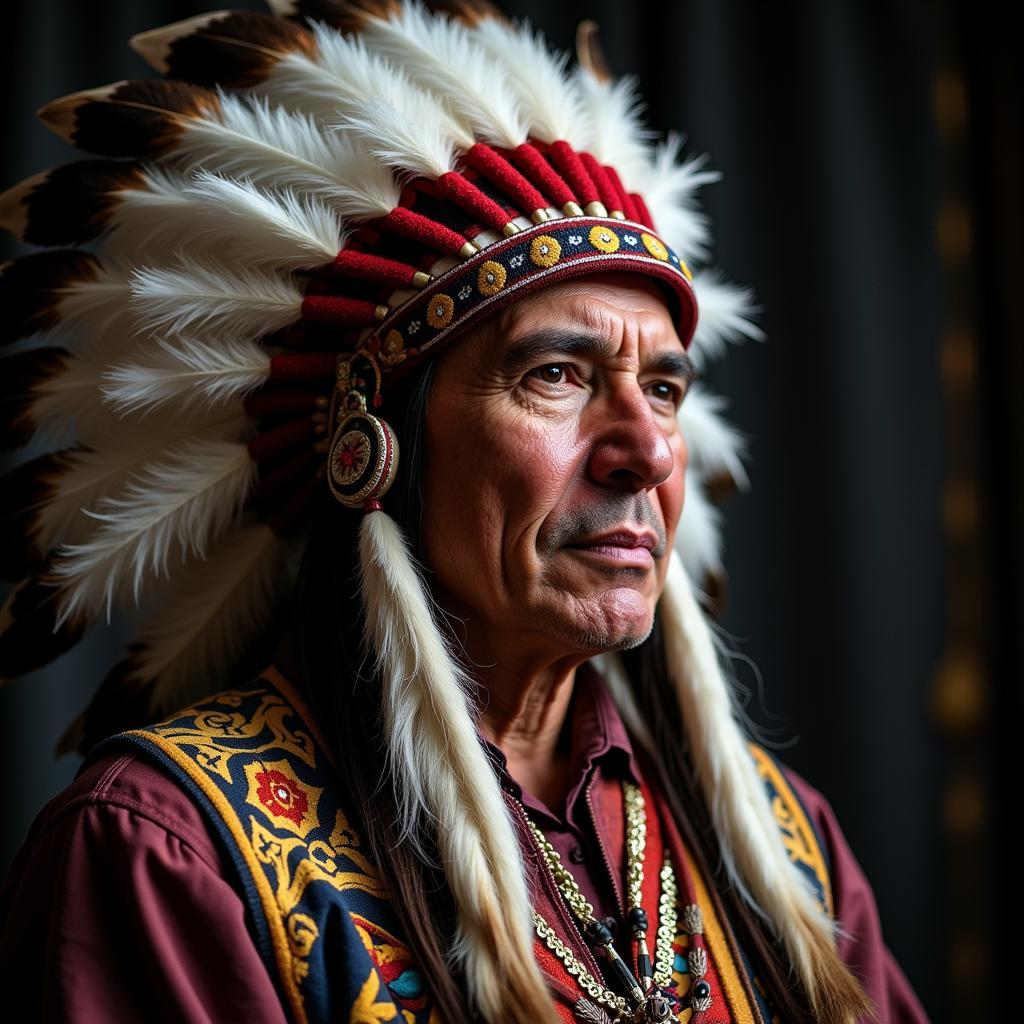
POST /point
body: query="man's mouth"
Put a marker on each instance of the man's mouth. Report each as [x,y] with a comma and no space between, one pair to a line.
[627,549]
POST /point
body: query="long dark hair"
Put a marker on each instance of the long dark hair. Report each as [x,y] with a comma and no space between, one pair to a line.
[326,654]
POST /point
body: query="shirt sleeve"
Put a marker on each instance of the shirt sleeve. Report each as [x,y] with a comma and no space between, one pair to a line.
[116,909]
[863,947]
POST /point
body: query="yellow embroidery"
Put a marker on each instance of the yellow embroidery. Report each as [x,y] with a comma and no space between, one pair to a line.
[290,885]
[211,733]
[490,279]
[440,310]
[302,933]
[603,238]
[654,247]
[545,251]
[366,1009]
[797,833]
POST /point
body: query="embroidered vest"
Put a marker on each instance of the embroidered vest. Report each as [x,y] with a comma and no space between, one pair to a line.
[320,913]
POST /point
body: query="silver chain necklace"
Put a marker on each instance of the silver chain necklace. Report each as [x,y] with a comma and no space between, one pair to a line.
[650,998]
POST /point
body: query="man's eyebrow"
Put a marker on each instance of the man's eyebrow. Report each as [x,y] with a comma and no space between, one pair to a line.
[527,349]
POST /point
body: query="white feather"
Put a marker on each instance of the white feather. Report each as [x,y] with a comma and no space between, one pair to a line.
[549,99]
[753,853]
[414,141]
[98,310]
[277,229]
[724,315]
[439,55]
[113,456]
[713,444]
[275,148]
[699,533]
[67,402]
[616,134]
[208,298]
[174,505]
[147,221]
[188,372]
[669,188]
[206,614]
[443,778]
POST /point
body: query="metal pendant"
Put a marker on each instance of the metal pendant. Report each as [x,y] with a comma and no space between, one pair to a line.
[362,460]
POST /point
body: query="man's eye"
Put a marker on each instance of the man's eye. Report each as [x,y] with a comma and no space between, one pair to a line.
[553,373]
[666,392]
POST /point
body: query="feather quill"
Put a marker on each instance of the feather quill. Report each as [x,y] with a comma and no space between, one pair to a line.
[176,504]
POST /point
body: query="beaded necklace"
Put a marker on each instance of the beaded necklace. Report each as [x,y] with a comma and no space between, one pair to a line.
[651,997]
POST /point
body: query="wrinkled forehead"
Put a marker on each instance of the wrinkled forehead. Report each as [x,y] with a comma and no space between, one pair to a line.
[607,306]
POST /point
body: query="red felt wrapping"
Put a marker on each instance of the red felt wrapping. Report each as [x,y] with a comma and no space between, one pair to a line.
[366,267]
[422,229]
[465,194]
[626,204]
[281,476]
[280,402]
[643,215]
[493,166]
[336,309]
[293,513]
[281,439]
[568,161]
[543,174]
[304,366]
[605,189]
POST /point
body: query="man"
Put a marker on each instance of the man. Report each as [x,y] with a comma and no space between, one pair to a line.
[433,806]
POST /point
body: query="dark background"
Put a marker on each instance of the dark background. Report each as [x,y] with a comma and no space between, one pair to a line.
[871,154]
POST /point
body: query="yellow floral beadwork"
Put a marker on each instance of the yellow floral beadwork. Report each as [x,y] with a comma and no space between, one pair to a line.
[654,247]
[490,279]
[604,239]
[686,271]
[440,310]
[545,251]
[393,349]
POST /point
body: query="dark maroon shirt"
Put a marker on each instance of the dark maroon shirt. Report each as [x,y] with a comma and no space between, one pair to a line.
[121,906]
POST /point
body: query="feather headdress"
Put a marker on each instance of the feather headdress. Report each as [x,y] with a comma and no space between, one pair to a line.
[336,180]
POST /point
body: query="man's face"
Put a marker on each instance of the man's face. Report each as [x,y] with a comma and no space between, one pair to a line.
[553,469]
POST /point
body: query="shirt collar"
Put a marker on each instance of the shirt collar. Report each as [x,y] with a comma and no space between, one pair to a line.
[598,737]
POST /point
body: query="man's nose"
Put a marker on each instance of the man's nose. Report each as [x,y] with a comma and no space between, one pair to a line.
[631,449]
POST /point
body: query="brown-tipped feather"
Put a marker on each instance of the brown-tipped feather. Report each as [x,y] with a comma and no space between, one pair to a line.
[236,49]
[67,205]
[128,119]
[24,491]
[30,289]
[470,12]
[27,637]
[589,51]
[339,14]
[20,376]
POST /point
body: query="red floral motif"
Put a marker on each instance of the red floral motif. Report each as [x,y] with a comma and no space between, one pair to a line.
[281,795]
